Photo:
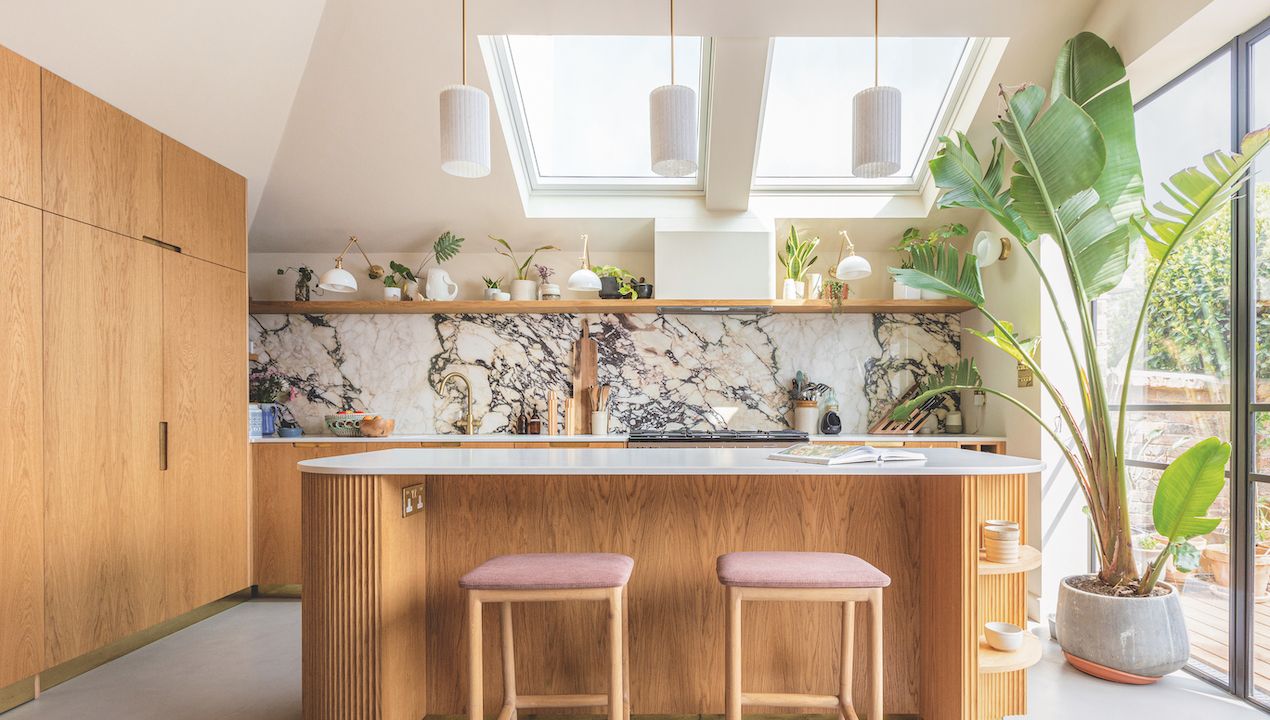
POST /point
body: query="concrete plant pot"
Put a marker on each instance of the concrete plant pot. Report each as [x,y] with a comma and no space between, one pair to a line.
[1125,639]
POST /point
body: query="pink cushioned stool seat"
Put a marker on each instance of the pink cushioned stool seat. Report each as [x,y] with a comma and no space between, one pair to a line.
[798,570]
[550,571]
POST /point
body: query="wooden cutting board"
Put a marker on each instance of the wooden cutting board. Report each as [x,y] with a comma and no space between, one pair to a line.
[585,360]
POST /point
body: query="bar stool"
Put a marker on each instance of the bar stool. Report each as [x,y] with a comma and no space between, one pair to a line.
[805,576]
[544,577]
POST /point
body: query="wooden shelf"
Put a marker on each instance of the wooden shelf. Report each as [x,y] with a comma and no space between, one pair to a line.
[434,307]
[994,661]
[1029,559]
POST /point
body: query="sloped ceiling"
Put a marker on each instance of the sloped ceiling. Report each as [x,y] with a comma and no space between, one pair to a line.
[330,108]
[218,75]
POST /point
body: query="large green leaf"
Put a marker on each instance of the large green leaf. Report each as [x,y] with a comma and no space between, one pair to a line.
[1187,489]
[1202,192]
[1098,245]
[1091,73]
[957,171]
[962,376]
[1001,337]
[939,267]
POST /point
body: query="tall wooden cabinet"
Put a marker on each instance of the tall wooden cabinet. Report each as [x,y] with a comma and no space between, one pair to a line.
[205,501]
[19,129]
[21,459]
[103,399]
[123,452]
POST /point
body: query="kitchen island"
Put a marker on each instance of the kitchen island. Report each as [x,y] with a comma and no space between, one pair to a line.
[387,535]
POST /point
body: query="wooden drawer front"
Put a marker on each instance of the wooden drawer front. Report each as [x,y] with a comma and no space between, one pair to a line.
[204,207]
[19,130]
[101,165]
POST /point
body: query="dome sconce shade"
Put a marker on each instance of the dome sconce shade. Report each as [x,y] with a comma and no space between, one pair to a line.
[339,280]
[672,122]
[851,267]
[464,122]
[875,124]
[989,249]
[584,279]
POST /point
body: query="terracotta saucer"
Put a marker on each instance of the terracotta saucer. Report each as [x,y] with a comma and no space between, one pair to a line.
[1105,673]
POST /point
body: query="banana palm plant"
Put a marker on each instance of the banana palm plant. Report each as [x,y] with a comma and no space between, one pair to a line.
[1076,181]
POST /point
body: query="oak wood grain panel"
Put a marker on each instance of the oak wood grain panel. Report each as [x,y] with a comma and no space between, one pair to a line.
[101,165]
[19,129]
[103,389]
[21,449]
[674,527]
[1003,598]
[204,207]
[948,651]
[205,491]
[276,506]
[362,616]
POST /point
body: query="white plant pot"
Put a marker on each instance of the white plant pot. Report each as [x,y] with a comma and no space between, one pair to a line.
[933,295]
[392,293]
[501,296]
[792,290]
[524,290]
[490,293]
[900,291]
[548,291]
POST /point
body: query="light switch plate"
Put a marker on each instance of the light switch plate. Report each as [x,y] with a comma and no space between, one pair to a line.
[411,500]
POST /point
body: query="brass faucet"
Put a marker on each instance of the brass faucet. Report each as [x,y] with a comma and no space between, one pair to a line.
[468,386]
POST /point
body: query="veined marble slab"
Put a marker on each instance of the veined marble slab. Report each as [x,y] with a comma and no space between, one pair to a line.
[667,372]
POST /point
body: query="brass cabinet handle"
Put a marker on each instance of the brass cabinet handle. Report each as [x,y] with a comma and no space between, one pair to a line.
[163,446]
[159,243]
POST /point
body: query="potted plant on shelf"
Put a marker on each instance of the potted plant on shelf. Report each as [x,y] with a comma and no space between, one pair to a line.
[522,287]
[303,281]
[492,288]
[796,259]
[437,283]
[615,282]
[913,238]
[547,290]
[1087,200]
[835,292]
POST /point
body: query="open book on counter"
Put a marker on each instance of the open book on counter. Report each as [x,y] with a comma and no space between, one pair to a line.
[822,454]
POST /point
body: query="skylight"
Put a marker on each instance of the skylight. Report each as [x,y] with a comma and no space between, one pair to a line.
[579,106]
[805,139]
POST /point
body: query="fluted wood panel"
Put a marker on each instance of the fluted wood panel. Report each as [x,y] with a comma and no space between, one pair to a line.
[674,527]
[362,637]
[1003,598]
[948,656]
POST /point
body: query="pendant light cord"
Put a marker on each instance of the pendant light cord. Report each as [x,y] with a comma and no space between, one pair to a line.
[463,44]
[672,42]
[875,43]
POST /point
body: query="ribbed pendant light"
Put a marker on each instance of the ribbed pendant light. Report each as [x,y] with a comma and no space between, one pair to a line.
[673,122]
[464,123]
[875,129]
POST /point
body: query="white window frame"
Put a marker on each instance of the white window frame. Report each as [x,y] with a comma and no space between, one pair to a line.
[508,96]
[968,67]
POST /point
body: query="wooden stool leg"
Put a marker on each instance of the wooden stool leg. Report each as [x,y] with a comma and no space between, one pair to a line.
[732,700]
[475,678]
[875,654]
[616,681]
[626,657]
[847,704]
[509,662]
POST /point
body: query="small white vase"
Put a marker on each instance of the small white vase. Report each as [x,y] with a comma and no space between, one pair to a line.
[392,293]
[792,290]
[900,291]
[548,291]
[490,293]
[524,290]
[440,286]
[410,291]
[813,285]
[933,295]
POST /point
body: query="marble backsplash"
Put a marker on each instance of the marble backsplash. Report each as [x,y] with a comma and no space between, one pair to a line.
[667,372]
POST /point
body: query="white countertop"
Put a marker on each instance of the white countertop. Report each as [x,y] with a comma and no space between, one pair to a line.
[502,437]
[648,461]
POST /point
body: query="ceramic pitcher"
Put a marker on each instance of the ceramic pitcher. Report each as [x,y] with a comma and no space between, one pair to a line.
[440,286]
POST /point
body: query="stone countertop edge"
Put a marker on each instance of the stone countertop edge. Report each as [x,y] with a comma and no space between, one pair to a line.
[650,461]
[500,437]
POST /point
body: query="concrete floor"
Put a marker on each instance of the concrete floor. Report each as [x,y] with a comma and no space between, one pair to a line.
[245,664]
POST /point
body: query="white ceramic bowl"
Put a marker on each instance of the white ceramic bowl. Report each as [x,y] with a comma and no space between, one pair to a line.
[1003,636]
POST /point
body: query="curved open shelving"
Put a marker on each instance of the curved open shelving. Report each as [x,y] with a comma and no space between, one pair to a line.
[995,661]
[1029,559]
